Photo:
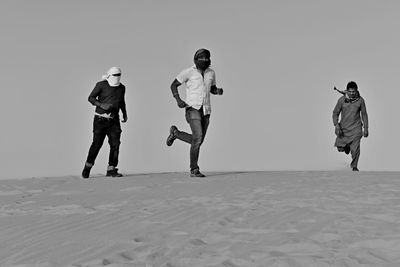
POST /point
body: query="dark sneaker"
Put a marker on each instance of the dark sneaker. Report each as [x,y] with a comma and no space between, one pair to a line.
[347,149]
[355,169]
[171,137]
[114,173]
[196,173]
[86,172]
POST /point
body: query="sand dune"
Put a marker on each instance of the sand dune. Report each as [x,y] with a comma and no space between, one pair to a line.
[227,219]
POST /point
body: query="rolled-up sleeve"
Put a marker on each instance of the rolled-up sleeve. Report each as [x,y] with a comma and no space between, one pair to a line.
[183,76]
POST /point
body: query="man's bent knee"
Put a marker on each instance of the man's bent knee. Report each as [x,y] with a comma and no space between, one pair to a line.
[197,139]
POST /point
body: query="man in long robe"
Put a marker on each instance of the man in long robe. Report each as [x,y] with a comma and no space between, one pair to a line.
[353,123]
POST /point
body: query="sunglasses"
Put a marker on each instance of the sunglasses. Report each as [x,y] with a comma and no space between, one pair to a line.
[203,59]
[116,74]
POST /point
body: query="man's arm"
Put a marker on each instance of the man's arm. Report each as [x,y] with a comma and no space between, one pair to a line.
[364,117]
[336,112]
[174,89]
[93,98]
[335,118]
[123,108]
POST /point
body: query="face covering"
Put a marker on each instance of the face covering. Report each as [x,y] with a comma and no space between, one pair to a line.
[111,79]
[202,64]
[201,54]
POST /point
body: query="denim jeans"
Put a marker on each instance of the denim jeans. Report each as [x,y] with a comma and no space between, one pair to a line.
[103,127]
[198,124]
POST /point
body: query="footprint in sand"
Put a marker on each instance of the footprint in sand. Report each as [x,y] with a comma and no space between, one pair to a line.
[157,254]
[226,221]
[197,242]
[141,239]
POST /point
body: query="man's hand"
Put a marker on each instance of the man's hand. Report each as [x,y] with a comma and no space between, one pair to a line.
[125,118]
[180,102]
[105,106]
[366,133]
[338,130]
[106,115]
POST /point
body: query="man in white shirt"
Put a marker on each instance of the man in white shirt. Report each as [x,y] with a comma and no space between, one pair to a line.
[200,82]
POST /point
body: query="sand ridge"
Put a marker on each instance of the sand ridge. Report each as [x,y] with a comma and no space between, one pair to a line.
[228,219]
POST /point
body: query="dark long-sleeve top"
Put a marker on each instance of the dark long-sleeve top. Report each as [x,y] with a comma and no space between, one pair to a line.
[353,116]
[114,95]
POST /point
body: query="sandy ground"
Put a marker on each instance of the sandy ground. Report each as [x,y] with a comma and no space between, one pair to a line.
[227,219]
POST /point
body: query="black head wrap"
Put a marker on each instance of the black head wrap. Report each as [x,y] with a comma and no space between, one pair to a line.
[202,52]
[202,64]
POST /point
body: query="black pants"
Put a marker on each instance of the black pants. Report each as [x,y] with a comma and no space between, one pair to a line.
[198,124]
[103,127]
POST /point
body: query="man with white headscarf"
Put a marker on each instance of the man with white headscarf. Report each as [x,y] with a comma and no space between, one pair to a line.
[200,81]
[109,98]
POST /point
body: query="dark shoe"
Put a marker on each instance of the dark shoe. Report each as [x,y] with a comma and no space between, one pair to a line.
[355,169]
[171,137]
[340,149]
[347,149]
[114,173]
[86,172]
[196,173]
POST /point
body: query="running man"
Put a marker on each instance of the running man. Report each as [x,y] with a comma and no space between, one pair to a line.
[200,82]
[353,118]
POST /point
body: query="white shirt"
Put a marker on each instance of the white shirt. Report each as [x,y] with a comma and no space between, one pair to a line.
[197,87]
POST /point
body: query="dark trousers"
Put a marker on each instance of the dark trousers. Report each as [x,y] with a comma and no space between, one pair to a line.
[103,127]
[198,124]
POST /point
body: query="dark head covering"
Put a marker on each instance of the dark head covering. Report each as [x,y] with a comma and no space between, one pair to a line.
[202,52]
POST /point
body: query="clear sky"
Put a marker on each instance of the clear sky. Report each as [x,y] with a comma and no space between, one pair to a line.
[276,60]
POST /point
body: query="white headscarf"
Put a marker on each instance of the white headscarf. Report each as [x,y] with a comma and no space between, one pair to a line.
[112,80]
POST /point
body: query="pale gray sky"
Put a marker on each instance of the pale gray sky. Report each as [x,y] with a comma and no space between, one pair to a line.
[276,60]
